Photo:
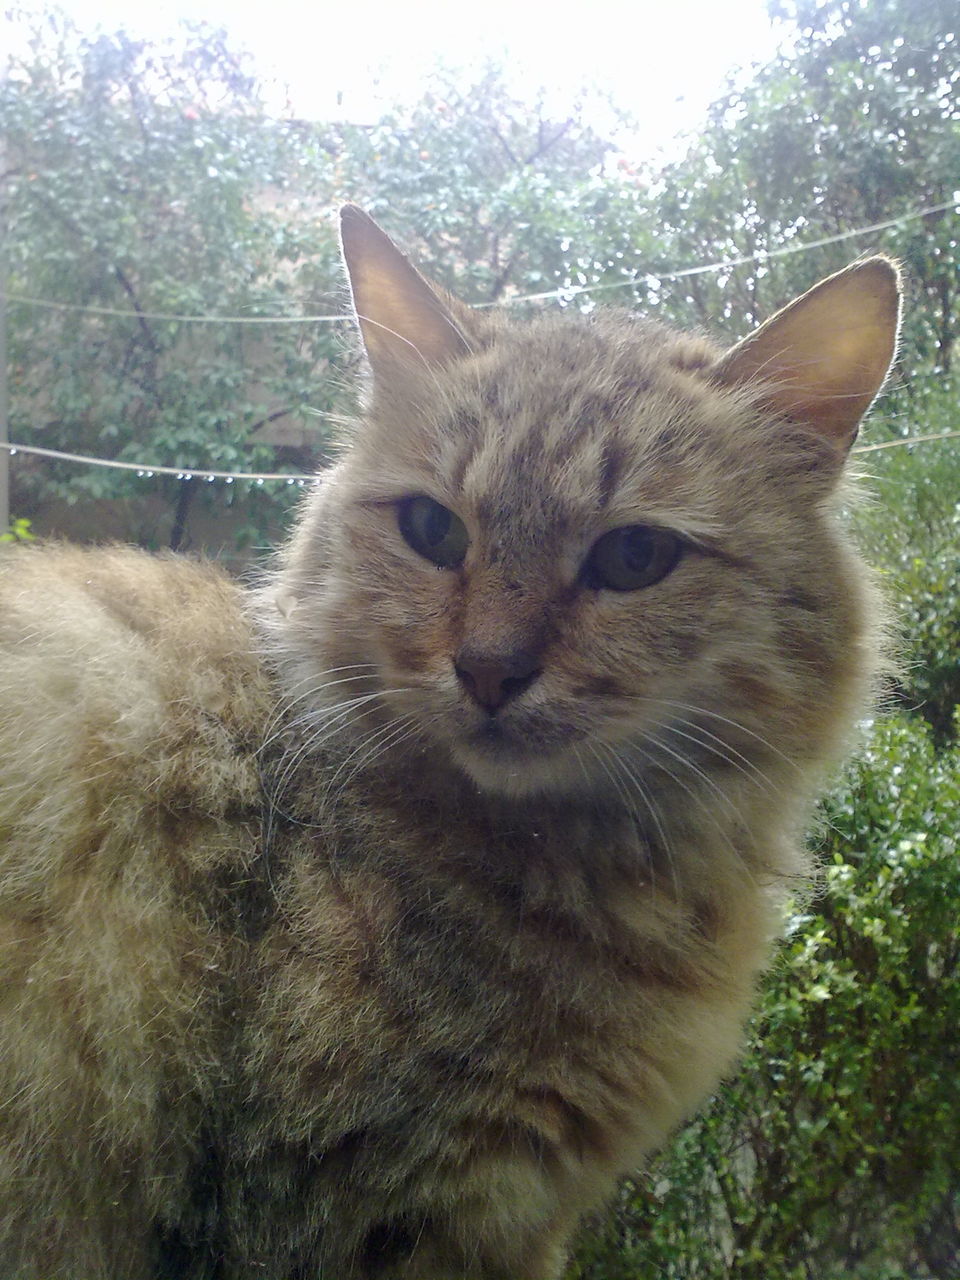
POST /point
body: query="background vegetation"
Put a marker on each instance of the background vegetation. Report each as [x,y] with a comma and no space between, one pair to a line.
[149,182]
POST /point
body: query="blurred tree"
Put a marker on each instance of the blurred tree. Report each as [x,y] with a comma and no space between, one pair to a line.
[856,122]
[496,196]
[882,92]
[146,180]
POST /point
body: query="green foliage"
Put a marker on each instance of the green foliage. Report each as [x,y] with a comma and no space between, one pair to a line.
[911,532]
[143,180]
[856,122]
[835,1155]
[882,82]
[18,531]
[495,196]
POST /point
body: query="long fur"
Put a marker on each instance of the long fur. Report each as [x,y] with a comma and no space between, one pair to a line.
[305,973]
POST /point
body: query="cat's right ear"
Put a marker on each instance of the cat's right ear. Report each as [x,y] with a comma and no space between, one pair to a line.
[403,320]
[822,359]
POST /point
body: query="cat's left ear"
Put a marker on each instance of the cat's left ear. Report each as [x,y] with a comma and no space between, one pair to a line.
[822,359]
[404,321]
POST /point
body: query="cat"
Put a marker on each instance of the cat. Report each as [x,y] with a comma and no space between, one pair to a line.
[371,924]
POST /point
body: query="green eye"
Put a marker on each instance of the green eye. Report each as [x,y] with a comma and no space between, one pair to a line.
[434,532]
[631,558]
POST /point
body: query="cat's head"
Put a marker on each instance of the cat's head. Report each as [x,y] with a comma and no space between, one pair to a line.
[569,552]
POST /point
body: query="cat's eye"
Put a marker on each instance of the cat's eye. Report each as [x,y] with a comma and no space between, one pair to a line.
[630,558]
[434,532]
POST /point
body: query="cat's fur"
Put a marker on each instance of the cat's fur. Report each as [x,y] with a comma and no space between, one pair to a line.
[385,954]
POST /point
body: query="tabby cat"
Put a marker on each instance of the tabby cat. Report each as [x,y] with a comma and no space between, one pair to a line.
[371,924]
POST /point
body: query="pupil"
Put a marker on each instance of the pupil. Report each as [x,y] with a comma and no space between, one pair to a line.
[437,524]
[637,550]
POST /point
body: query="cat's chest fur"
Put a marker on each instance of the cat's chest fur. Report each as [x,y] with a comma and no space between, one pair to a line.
[488,1032]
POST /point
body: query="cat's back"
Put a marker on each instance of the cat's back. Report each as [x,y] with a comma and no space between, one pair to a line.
[131,709]
[121,673]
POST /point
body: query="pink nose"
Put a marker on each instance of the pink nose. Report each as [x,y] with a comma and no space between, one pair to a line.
[492,679]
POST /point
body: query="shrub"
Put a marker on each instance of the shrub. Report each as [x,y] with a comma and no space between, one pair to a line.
[836,1152]
[18,531]
[911,532]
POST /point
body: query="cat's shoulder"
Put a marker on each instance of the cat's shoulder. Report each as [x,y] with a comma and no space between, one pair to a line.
[121,670]
[118,610]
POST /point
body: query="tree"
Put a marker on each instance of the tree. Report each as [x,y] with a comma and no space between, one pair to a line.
[857,121]
[882,83]
[146,181]
[495,196]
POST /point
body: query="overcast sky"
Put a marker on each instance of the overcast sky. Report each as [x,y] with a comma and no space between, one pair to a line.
[664,61]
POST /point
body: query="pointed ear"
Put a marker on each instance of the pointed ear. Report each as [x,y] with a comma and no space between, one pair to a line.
[822,359]
[403,320]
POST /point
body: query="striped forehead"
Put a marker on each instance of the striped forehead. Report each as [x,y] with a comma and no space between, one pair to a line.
[572,426]
[547,448]
[530,472]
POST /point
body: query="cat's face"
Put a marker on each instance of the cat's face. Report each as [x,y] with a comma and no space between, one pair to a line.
[573,556]
[568,554]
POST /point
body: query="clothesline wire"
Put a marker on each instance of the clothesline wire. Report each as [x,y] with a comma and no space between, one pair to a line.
[564,292]
[760,257]
[146,470]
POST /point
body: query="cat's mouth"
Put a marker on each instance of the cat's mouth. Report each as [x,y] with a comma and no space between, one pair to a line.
[494,741]
[491,733]
[515,755]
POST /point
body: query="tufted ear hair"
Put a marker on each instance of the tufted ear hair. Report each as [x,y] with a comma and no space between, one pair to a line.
[403,320]
[822,359]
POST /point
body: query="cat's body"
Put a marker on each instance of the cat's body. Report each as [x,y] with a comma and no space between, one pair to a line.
[384,957]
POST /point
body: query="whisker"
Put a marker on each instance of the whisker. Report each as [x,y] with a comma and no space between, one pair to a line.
[316,682]
[705,778]
[705,808]
[725,752]
[370,749]
[617,782]
[326,722]
[734,724]
[404,729]
[649,804]
[587,777]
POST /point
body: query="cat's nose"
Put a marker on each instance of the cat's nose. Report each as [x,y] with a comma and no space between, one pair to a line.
[492,679]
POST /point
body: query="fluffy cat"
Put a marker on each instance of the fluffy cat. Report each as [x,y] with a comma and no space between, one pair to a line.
[371,925]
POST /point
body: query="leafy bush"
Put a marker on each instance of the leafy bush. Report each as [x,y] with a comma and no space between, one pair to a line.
[836,1153]
[18,531]
[911,532]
